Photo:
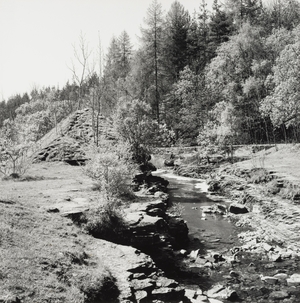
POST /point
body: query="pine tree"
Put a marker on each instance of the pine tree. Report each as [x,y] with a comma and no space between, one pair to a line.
[175,45]
[203,35]
[125,53]
[220,26]
[152,44]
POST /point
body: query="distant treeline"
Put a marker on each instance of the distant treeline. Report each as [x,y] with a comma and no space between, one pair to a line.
[232,73]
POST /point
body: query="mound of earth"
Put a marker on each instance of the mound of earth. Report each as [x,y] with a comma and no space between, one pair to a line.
[68,141]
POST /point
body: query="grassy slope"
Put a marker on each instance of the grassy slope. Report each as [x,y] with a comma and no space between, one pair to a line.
[284,160]
[43,256]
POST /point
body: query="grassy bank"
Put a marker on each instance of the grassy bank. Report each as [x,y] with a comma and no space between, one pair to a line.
[44,257]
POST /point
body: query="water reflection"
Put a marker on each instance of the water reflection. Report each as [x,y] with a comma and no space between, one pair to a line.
[215,230]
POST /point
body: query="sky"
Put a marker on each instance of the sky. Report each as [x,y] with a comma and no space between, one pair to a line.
[37,37]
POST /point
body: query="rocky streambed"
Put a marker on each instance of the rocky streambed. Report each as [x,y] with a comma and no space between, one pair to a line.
[259,261]
[220,249]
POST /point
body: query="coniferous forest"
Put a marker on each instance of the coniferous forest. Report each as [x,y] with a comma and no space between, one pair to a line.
[229,75]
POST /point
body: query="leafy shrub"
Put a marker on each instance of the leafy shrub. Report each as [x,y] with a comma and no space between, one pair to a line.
[112,169]
[106,222]
[260,175]
[13,154]
[98,287]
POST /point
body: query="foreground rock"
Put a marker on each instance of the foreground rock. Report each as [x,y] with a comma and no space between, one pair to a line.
[137,277]
[237,208]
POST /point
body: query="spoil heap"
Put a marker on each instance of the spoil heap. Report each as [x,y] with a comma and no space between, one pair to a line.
[68,141]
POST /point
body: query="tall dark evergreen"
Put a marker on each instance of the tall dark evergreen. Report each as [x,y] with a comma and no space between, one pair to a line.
[152,46]
[176,44]
[203,36]
[220,25]
[125,54]
[112,59]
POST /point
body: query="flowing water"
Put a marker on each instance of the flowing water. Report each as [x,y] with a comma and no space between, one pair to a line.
[191,194]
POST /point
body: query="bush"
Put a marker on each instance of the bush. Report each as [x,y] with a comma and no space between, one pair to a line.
[260,175]
[106,222]
[98,287]
[112,169]
[13,159]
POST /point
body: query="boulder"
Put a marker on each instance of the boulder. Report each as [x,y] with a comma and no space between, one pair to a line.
[237,208]
[148,167]
[178,229]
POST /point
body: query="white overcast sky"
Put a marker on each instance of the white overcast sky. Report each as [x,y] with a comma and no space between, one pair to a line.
[37,36]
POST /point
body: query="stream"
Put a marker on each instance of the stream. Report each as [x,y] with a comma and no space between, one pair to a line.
[191,194]
[212,235]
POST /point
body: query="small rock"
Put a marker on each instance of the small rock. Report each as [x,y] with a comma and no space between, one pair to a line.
[140,295]
[266,246]
[156,212]
[222,208]
[281,276]
[166,282]
[190,293]
[194,254]
[275,257]
[269,280]
[183,252]
[53,210]
[279,295]
[208,265]
[145,284]
[234,274]
[218,258]
[294,280]
[139,276]
[237,208]
[200,299]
